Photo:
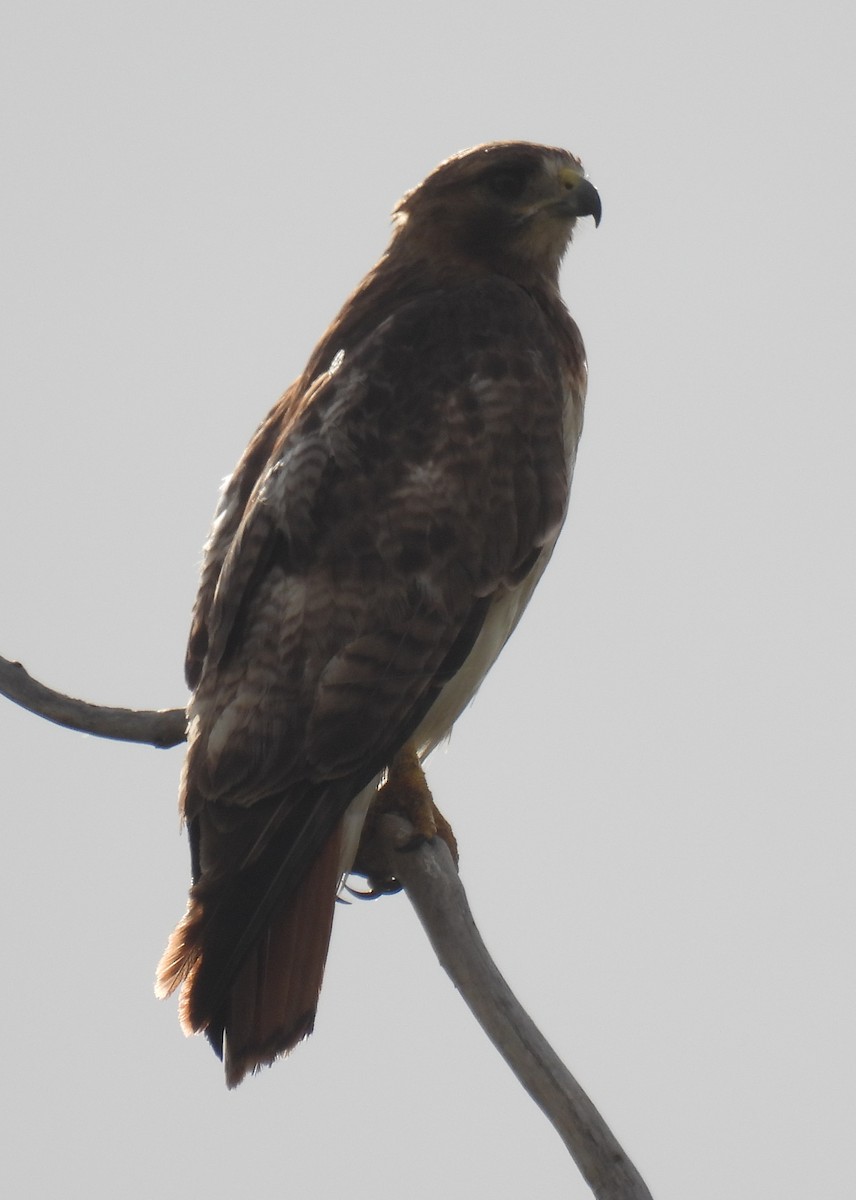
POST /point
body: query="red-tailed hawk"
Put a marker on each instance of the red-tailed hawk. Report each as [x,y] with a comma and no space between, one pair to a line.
[369,557]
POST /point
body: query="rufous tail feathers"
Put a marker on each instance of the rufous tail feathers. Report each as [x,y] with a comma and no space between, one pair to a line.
[267,1002]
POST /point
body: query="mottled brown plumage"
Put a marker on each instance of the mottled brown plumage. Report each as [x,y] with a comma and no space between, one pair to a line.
[369,557]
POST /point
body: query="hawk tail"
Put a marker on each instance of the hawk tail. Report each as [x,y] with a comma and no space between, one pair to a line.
[259,1007]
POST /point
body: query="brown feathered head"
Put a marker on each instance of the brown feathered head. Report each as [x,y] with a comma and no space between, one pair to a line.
[509,206]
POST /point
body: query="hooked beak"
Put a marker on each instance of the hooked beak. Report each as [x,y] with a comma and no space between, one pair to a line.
[580,198]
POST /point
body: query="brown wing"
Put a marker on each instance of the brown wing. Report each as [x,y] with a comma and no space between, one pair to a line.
[234,497]
[417,482]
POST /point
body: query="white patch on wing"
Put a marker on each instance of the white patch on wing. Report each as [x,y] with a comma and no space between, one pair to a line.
[225,504]
[222,730]
[482,384]
[424,478]
[348,388]
[221,525]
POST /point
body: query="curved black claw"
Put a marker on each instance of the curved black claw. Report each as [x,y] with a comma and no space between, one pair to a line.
[377,888]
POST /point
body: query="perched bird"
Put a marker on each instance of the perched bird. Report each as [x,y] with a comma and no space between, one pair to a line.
[369,558]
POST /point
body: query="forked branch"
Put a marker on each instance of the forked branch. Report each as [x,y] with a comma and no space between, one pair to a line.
[431,881]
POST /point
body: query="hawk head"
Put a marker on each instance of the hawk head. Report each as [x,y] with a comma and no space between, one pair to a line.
[505,206]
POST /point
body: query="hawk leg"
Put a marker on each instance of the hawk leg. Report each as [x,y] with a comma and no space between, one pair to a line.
[406,793]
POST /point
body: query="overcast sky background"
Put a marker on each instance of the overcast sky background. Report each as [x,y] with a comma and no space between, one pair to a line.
[654,791]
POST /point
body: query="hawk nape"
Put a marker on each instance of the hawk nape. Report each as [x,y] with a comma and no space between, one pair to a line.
[369,558]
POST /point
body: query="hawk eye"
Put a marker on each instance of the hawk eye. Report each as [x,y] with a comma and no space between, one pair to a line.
[508,183]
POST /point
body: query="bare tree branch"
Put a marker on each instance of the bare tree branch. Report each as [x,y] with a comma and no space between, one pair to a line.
[434,888]
[430,878]
[162,727]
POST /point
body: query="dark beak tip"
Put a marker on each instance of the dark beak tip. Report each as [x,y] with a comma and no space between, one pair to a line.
[583,200]
[594,208]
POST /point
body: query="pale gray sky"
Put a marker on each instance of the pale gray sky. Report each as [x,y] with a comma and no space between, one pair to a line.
[654,791]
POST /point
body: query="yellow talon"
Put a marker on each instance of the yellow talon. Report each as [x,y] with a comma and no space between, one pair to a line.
[406,793]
